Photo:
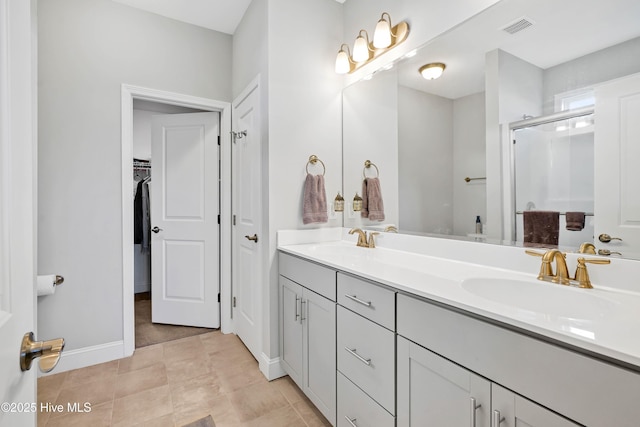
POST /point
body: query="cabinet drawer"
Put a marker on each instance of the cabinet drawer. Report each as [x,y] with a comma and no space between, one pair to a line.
[368,299]
[366,355]
[319,279]
[360,409]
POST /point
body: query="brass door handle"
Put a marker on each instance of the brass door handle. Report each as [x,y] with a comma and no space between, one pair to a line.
[48,352]
[607,252]
[605,238]
[254,238]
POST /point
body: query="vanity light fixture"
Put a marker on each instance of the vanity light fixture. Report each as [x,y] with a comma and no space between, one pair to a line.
[344,64]
[361,50]
[432,71]
[385,38]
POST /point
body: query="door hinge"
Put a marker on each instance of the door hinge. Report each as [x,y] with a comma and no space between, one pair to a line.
[218,296]
[218,139]
[234,220]
[234,301]
[218,219]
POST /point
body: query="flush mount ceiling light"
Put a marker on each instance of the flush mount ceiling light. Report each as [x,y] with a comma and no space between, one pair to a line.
[385,38]
[432,71]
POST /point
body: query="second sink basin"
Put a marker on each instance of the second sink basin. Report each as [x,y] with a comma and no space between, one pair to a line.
[541,298]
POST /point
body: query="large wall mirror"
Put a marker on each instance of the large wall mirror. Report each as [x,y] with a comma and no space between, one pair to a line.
[443,150]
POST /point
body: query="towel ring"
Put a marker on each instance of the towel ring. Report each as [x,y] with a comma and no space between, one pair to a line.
[367,165]
[313,159]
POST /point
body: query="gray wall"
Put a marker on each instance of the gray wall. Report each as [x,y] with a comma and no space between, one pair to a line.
[87,49]
[425,156]
[606,64]
[469,149]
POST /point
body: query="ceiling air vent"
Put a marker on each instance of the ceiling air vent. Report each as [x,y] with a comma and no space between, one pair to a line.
[517,25]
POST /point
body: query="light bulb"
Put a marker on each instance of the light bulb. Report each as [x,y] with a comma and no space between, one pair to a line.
[382,35]
[342,63]
[360,50]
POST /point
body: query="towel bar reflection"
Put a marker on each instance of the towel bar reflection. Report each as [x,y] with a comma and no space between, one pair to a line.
[561,213]
[313,159]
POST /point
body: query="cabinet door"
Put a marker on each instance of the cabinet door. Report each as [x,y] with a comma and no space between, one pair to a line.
[319,352]
[512,410]
[433,391]
[291,337]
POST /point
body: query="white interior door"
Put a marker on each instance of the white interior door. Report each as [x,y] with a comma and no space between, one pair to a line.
[185,258]
[617,156]
[247,208]
[17,218]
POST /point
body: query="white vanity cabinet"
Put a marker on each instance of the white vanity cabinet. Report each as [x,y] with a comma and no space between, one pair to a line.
[366,353]
[308,330]
[509,409]
[433,391]
[550,384]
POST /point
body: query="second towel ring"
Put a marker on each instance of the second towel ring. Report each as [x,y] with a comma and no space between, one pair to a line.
[313,159]
[367,165]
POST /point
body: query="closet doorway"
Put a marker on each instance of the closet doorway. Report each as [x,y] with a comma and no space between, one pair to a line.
[172,279]
[175,221]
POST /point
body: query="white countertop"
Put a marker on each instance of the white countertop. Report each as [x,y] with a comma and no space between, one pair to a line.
[603,320]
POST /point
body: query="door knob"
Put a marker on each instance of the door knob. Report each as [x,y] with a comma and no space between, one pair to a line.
[156,229]
[48,352]
[605,238]
[254,238]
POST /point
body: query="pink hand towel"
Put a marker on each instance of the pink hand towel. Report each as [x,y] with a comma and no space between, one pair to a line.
[372,204]
[314,204]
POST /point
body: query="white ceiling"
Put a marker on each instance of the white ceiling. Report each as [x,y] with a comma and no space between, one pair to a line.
[562,31]
[218,15]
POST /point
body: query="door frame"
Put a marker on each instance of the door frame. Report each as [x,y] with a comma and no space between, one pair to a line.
[129,93]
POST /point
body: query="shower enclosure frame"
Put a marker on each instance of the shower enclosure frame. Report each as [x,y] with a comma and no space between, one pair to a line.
[523,124]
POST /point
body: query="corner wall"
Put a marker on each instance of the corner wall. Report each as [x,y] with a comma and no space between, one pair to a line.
[87,49]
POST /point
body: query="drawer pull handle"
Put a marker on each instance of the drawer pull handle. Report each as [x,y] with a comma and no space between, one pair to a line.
[295,318]
[302,310]
[358,300]
[474,407]
[360,358]
[497,419]
[351,421]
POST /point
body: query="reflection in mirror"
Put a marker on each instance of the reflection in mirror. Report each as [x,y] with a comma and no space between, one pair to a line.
[553,176]
[428,136]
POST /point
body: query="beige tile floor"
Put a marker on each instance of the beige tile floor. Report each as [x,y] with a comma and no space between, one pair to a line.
[175,383]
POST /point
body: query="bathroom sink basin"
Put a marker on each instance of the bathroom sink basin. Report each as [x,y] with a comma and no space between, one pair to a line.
[542,298]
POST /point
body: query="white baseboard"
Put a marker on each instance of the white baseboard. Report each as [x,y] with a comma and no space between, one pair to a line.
[271,368]
[87,356]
